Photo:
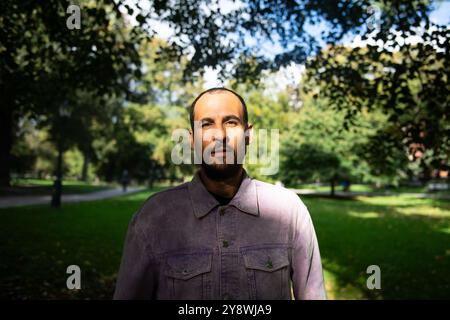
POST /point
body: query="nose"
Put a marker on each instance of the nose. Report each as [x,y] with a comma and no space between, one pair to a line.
[220,134]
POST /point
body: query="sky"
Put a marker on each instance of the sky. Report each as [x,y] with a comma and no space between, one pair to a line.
[440,15]
[291,74]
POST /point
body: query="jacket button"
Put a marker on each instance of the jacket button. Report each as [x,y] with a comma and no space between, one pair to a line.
[226,296]
[222,211]
[225,243]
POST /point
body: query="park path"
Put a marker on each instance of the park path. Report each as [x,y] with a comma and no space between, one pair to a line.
[372,194]
[17,201]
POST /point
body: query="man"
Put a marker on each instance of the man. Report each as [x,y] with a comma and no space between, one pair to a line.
[223,235]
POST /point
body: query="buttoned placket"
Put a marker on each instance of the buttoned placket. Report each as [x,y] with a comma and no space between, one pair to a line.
[228,251]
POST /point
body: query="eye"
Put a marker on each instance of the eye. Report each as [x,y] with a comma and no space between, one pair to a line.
[206,124]
[232,122]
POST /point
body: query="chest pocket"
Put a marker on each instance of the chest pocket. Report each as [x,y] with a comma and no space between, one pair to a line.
[189,276]
[267,273]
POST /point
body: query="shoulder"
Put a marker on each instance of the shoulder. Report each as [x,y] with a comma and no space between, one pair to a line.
[278,196]
[158,203]
[276,193]
[169,194]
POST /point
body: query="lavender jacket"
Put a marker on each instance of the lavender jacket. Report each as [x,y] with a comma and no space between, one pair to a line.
[182,244]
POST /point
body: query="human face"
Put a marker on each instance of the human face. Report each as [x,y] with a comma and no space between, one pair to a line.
[220,130]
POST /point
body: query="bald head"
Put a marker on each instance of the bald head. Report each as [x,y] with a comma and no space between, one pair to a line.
[222,98]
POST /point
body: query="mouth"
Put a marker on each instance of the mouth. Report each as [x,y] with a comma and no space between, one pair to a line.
[219,153]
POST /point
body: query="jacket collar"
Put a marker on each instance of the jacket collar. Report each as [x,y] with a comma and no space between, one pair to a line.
[246,198]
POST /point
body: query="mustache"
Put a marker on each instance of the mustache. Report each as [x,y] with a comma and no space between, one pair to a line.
[219,147]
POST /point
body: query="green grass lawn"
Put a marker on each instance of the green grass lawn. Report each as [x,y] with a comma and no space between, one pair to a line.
[372,188]
[44,187]
[408,238]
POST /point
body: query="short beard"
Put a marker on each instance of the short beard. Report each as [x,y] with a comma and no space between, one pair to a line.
[220,172]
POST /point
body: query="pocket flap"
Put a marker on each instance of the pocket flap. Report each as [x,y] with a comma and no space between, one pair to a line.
[186,266]
[266,259]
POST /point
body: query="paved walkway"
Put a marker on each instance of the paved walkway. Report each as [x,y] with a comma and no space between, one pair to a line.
[17,201]
[373,194]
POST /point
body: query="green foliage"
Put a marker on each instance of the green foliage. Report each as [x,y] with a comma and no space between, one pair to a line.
[33,153]
[43,63]
[122,86]
[406,82]
[131,144]
[316,146]
[73,164]
[308,162]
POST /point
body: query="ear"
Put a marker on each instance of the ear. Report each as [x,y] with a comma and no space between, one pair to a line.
[249,134]
[191,138]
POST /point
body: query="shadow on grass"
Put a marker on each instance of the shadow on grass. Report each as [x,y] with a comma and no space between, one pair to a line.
[408,239]
[38,243]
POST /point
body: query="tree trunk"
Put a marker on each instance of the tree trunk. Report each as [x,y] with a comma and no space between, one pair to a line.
[6,142]
[57,186]
[333,181]
[426,172]
[84,171]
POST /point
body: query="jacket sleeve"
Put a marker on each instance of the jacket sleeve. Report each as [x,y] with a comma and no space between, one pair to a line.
[137,278]
[306,273]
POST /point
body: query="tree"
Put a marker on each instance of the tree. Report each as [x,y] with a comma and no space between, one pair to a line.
[43,64]
[92,116]
[409,85]
[131,144]
[309,162]
[314,135]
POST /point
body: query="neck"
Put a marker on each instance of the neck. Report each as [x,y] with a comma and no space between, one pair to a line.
[227,187]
